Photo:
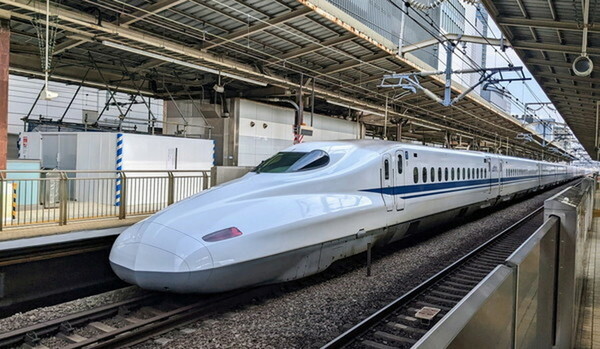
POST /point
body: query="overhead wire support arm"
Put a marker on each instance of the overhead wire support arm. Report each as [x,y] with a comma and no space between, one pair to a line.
[411,83]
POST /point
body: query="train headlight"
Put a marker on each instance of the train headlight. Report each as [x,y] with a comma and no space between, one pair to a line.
[223,234]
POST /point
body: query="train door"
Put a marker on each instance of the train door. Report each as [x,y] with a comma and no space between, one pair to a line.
[500,176]
[387,182]
[399,179]
[495,177]
[488,161]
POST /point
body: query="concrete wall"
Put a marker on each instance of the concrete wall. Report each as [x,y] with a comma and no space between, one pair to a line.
[223,174]
[266,129]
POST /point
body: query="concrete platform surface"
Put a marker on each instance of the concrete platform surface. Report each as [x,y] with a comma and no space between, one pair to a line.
[588,331]
[42,235]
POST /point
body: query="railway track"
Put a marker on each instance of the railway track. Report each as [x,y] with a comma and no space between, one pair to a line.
[397,325]
[125,323]
[147,317]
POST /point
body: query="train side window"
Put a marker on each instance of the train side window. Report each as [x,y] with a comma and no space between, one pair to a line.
[446,173]
[477,173]
[473,173]
[400,163]
[439,174]
[424,175]
[386,169]
[468,174]
[432,174]
[416,175]
[452,173]
[458,173]
[464,174]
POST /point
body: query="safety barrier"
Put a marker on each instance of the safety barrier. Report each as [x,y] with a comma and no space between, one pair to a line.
[59,197]
[533,299]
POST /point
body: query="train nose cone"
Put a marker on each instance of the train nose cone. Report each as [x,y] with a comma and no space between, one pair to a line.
[153,256]
[149,267]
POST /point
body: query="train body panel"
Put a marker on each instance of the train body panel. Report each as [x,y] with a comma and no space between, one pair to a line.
[312,204]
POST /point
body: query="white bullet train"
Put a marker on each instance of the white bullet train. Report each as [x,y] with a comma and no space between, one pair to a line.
[312,204]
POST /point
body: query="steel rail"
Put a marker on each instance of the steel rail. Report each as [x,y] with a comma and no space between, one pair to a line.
[18,337]
[140,330]
[355,332]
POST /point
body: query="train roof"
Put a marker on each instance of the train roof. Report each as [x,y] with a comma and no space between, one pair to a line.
[380,146]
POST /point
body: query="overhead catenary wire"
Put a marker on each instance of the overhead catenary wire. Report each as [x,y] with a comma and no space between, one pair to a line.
[344,83]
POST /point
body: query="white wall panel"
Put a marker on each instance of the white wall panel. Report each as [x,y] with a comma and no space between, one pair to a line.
[257,143]
[144,152]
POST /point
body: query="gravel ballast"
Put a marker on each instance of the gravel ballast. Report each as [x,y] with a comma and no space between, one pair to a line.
[40,315]
[310,312]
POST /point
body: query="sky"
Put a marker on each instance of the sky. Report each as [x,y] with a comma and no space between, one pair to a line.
[533,94]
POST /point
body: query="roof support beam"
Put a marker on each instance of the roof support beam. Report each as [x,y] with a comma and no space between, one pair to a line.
[571,87]
[522,8]
[153,9]
[548,63]
[69,44]
[353,63]
[463,38]
[527,45]
[558,94]
[543,24]
[314,47]
[569,77]
[260,27]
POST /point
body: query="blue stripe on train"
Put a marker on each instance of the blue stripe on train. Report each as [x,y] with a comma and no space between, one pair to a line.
[453,186]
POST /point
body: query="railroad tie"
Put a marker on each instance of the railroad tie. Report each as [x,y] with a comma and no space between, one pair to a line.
[101,327]
[398,326]
[375,345]
[72,338]
[393,338]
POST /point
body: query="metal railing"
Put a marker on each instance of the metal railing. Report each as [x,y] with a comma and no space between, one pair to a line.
[59,197]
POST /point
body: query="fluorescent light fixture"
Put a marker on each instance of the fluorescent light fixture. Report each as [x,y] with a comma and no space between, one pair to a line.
[180,62]
[355,108]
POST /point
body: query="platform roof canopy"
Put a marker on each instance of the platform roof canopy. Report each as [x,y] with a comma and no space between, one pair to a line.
[547,35]
[262,49]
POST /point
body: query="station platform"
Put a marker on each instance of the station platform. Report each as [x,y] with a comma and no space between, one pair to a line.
[36,236]
[588,331]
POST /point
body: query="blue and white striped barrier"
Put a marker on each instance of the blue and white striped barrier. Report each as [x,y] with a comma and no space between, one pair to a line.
[119,168]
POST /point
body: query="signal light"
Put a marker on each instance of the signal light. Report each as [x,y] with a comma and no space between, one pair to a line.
[223,234]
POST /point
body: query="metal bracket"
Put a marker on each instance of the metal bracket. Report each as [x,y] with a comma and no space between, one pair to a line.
[410,82]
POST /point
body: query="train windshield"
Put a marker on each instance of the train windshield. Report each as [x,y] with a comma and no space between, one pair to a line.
[293,162]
